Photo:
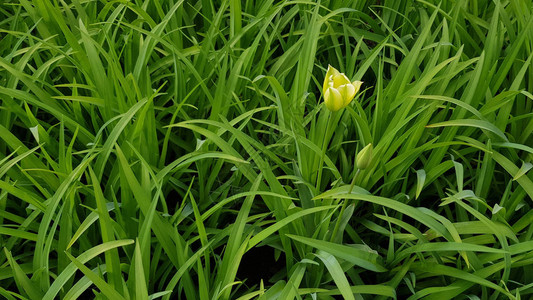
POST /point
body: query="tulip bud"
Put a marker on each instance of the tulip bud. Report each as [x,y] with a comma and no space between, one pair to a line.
[338,91]
[364,157]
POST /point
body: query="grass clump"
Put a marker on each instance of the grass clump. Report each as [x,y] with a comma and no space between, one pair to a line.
[182,150]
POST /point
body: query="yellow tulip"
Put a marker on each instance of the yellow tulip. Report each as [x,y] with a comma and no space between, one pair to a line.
[338,91]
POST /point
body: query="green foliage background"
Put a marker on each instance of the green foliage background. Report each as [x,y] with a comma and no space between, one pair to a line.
[160,148]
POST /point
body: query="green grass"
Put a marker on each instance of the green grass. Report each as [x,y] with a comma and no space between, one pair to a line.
[182,150]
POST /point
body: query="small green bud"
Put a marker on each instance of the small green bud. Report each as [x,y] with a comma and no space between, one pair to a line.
[364,157]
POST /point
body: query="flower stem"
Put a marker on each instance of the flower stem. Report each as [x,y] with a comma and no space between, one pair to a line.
[344,204]
[353,181]
[322,156]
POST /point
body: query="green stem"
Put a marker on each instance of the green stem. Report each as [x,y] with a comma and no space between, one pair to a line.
[324,148]
[353,181]
[344,204]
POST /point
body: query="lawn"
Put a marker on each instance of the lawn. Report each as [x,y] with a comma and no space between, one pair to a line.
[261,149]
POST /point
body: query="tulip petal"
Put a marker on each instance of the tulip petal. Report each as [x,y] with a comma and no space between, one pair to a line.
[347,92]
[329,78]
[357,84]
[340,79]
[333,70]
[333,99]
